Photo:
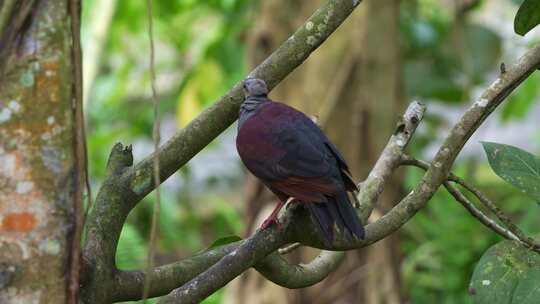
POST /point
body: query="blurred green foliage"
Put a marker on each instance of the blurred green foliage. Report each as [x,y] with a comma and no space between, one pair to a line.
[201,52]
[441,245]
[445,55]
[521,101]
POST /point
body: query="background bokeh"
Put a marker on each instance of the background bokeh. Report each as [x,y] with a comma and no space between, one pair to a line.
[445,52]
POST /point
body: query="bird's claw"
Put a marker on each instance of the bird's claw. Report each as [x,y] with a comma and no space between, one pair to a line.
[273,218]
[269,222]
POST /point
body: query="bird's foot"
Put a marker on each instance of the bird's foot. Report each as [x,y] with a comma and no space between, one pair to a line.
[269,222]
[273,218]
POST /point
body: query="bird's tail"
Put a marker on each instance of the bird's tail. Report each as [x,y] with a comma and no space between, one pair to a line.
[338,211]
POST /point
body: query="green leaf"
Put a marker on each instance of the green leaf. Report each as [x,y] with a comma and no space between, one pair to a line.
[517,167]
[507,273]
[527,17]
[224,241]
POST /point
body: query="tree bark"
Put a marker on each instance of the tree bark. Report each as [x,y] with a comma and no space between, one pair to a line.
[36,151]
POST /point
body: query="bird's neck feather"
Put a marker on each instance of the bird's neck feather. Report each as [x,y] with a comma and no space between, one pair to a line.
[249,106]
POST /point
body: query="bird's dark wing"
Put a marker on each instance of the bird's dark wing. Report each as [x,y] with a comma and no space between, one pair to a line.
[307,167]
[350,185]
[288,151]
[308,133]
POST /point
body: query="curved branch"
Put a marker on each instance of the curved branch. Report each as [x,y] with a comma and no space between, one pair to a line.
[163,279]
[279,271]
[128,285]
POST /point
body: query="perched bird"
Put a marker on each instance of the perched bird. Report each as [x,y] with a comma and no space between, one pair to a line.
[291,155]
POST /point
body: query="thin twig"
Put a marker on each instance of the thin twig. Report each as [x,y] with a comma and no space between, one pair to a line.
[530,242]
[478,214]
[156,138]
[511,231]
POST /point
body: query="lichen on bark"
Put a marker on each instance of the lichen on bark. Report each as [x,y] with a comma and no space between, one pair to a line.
[36,157]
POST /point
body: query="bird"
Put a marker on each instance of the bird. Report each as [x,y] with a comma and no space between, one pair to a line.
[289,153]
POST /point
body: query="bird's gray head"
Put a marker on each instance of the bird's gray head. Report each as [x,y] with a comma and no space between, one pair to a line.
[255,87]
[256,92]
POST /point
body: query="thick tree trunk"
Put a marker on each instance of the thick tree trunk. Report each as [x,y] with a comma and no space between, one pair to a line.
[36,151]
[353,84]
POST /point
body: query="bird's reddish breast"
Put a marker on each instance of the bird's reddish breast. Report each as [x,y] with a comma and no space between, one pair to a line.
[256,136]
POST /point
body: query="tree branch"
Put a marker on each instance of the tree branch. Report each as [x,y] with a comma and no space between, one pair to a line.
[390,158]
[103,231]
[255,248]
[435,176]
[279,271]
[163,279]
[129,284]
